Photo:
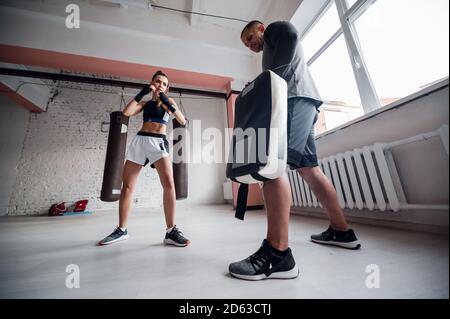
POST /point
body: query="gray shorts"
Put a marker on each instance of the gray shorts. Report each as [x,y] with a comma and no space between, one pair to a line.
[302,117]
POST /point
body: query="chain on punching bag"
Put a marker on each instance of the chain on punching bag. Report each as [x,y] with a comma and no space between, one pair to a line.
[180,170]
[115,156]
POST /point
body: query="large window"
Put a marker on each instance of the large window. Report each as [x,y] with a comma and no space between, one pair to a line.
[325,27]
[337,86]
[335,81]
[376,54]
[405,45]
[352,2]
[335,118]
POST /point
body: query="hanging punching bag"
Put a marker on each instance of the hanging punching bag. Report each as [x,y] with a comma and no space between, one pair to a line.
[180,173]
[115,155]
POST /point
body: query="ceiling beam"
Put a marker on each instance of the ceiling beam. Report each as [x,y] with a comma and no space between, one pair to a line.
[196,6]
[108,82]
[126,3]
[33,96]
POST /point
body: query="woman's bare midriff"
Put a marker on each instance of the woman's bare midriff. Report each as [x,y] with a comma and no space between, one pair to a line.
[151,127]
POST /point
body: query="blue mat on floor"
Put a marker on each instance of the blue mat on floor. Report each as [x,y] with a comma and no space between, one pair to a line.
[87,212]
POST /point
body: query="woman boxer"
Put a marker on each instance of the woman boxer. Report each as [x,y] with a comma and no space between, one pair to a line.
[150,146]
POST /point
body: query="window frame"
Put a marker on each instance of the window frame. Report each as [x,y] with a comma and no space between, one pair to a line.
[366,89]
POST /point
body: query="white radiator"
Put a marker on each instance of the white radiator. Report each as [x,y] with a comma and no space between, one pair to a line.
[365,178]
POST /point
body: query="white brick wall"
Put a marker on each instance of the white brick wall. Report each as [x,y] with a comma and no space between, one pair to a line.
[64,152]
[13,124]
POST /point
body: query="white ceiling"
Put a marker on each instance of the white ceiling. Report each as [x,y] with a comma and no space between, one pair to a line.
[136,15]
[214,30]
[130,31]
[244,10]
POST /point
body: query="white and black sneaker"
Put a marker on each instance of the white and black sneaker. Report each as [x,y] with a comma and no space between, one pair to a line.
[116,236]
[175,237]
[346,239]
[266,263]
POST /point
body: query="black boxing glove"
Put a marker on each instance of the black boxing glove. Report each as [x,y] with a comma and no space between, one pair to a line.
[145,90]
[165,100]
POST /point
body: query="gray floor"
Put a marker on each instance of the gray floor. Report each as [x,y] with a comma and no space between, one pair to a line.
[35,252]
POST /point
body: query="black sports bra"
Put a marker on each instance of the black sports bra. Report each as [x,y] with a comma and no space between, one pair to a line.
[154,113]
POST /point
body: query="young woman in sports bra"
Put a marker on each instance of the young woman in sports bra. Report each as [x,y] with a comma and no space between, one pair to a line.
[150,146]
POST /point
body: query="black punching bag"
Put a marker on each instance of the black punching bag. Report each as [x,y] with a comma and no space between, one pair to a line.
[115,155]
[180,173]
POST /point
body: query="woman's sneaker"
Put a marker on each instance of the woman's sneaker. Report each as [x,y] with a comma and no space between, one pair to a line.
[175,237]
[345,239]
[117,235]
[266,263]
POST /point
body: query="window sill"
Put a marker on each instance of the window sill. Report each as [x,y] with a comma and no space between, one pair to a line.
[435,87]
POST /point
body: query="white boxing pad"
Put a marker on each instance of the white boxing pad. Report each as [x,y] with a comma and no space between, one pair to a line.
[258,149]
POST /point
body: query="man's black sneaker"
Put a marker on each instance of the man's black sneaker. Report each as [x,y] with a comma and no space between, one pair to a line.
[345,239]
[267,262]
[117,235]
[175,237]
